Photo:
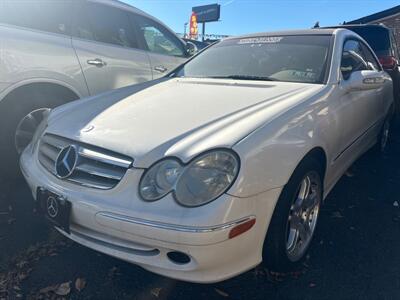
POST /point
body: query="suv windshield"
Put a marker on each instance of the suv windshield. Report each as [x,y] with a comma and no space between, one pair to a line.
[300,58]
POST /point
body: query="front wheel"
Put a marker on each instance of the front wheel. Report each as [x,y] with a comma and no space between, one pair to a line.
[384,135]
[20,114]
[295,218]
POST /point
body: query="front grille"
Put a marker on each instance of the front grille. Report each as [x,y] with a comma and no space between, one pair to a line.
[95,168]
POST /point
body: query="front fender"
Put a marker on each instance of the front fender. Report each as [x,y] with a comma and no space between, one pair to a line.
[14,86]
[270,155]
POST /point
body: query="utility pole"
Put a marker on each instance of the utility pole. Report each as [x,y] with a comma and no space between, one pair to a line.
[204,31]
[184,29]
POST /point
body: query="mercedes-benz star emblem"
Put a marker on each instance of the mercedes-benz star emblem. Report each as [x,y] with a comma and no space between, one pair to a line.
[66,162]
[52,207]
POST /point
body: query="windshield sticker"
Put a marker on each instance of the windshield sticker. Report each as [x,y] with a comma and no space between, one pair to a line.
[261,40]
[309,74]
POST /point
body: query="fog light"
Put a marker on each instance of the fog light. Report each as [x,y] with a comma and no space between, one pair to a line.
[178,257]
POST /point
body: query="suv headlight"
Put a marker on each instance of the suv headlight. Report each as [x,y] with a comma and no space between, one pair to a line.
[201,181]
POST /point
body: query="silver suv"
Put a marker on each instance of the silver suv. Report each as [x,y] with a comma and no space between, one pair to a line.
[53,52]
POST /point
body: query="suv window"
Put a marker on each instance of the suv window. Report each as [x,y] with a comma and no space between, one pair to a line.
[372,62]
[378,38]
[104,24]
[158,39]
[49,16]
[352,58]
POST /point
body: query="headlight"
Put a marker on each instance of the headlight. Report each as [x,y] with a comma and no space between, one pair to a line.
[160,179]
[201,181]
[206,178]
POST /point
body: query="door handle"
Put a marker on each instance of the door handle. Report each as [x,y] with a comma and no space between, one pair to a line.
[97,62]
[161,69]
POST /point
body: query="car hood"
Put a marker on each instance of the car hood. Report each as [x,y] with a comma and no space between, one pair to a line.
[175,117]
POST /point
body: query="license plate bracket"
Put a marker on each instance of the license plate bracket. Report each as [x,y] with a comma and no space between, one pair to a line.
[55,208]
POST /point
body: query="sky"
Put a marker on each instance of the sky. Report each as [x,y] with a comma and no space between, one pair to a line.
[246,16]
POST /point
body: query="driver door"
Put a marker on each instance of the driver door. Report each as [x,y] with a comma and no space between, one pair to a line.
[361,109]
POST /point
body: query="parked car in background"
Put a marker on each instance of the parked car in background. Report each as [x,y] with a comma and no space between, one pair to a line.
[382,40]
[53,52]
[225,163]
[199,45]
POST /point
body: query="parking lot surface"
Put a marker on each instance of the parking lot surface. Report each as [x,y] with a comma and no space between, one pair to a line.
[355,253]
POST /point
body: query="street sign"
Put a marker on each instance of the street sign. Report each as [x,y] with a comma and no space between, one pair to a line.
[207,13]
[194,30]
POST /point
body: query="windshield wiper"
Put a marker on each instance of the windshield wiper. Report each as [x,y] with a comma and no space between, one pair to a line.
[244,77]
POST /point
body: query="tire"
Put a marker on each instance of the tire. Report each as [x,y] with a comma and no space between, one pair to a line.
[384,136]
[15,107]
[280,253]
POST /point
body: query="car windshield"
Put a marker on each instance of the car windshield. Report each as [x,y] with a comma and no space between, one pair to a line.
[300,58]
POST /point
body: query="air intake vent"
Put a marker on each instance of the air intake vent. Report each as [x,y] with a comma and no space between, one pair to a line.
[82,164]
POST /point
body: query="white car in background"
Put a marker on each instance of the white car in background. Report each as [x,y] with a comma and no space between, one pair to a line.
[223,164]
[53,52]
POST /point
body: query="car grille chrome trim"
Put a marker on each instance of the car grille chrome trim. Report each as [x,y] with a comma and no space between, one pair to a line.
[104,158]
[95,168]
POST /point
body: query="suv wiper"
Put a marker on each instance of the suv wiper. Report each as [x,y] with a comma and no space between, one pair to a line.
[244,77]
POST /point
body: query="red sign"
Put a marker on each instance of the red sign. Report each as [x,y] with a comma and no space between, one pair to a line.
[194,29]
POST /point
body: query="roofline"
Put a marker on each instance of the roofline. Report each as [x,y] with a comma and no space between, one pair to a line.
[377,16]
[122,5]
[346,26]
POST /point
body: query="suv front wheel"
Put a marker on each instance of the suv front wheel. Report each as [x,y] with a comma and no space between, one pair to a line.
[26,128]
[20,114]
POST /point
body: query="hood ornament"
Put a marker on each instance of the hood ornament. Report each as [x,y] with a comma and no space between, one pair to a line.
[88,128]
[66,162]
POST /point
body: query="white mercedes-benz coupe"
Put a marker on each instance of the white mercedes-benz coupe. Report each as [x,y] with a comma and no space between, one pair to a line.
[222,164]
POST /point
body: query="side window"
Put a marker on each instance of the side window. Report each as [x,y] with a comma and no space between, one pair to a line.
[104,24]
[372,62]
[158,39]
[352,59]
[49,16]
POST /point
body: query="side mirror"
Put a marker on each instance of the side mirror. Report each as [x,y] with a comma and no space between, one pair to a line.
[191,49]
[364,80]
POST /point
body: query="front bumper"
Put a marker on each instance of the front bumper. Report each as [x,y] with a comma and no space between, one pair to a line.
[118,223]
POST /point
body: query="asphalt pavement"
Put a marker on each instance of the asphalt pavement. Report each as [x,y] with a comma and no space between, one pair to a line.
[355,253]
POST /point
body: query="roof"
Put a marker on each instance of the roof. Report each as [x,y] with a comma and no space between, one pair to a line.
[324,31]
[377,16]
[355,26]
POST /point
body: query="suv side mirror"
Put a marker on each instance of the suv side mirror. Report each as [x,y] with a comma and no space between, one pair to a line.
[364,80]
[191,49]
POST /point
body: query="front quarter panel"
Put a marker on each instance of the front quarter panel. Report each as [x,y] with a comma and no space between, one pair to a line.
[270,155]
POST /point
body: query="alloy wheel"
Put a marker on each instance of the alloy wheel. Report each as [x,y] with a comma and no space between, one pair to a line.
[385,135]
[26,128]
[303,216]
